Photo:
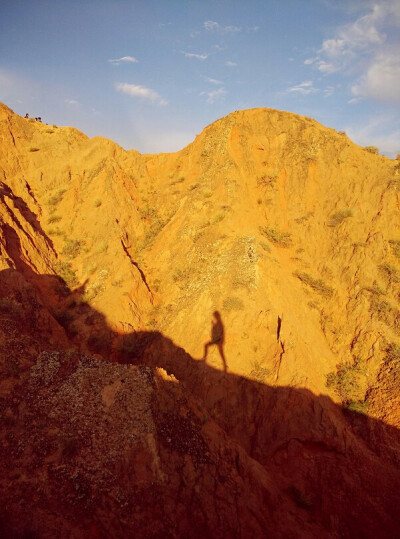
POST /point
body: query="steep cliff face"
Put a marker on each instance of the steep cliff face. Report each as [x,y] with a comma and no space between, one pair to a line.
[199,343]
[297,223]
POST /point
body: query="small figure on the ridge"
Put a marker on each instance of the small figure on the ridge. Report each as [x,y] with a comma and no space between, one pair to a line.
[217,338]
[26,116]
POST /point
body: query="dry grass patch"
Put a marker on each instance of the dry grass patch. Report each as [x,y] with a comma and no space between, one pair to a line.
[318,285]
[395,245]
[277,237]
[339,217]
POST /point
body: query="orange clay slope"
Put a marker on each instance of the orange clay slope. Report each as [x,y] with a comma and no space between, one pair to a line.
[176,328]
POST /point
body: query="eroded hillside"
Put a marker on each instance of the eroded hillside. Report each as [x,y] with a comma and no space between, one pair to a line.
[204,343]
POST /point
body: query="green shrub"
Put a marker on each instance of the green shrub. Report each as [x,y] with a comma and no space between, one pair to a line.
[339,217]
[72,248]
[65,271]
[304,218]
[148,213]
[386,313]
[56,198]
[97,203]
[279,238]
[345,382]
[372,149]
[316,284]
[390,272]
[179,275]
[394,183]
[53,219]
[392,353]
[361,407]
[93,290]
[395,245]
[178,180]
[55,232]
[155,228]
[258,372]
[376,290]
[267,180]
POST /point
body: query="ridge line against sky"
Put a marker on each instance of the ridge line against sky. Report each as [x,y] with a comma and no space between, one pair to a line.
[150,75]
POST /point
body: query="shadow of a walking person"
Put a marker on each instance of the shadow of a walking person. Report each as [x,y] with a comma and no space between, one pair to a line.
[217,338]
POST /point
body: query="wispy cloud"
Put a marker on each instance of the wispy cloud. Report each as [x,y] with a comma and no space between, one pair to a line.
[367,50]
[134,90]
[123,60]
[213,26]
[350,40]
[71,101]
[252,29]
[329,90]
[382,79]
[197,56]
[214,95]
[229,63]
[304,88]
[213,81]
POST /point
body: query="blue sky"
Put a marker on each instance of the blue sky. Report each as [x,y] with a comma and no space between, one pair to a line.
[151,74]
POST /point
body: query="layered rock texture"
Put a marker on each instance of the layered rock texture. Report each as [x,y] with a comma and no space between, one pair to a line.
[199,344]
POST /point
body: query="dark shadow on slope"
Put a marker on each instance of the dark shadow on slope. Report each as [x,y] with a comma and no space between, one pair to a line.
[22,206]
[341,467]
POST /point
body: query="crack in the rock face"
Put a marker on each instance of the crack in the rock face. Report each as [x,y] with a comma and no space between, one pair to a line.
[142,275]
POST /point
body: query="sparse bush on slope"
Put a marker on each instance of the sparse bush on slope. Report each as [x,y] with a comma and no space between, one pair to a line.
[277,237]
